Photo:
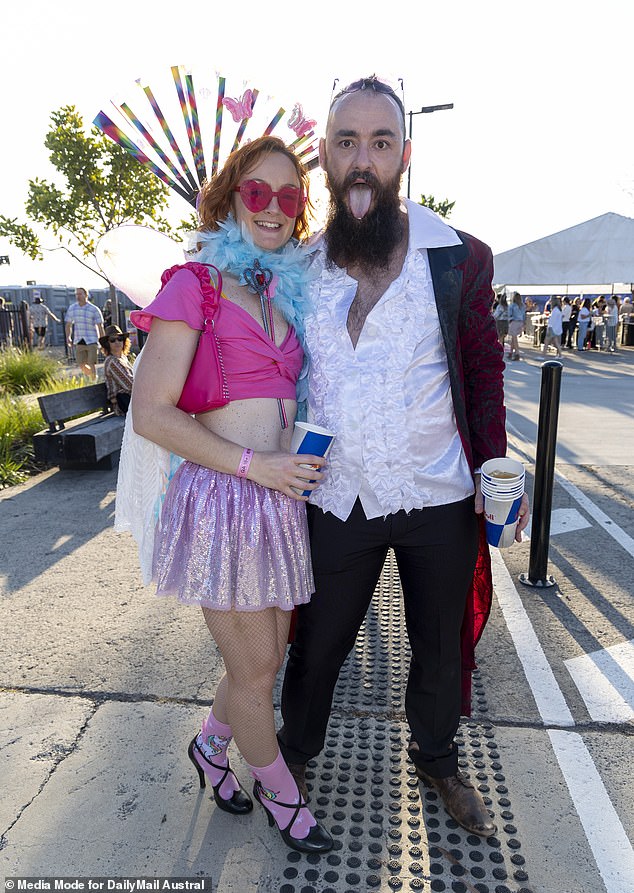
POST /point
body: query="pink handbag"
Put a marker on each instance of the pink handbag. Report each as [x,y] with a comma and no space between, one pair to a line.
[206,385]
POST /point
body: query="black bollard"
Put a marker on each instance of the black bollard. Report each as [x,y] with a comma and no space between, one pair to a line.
[544,476]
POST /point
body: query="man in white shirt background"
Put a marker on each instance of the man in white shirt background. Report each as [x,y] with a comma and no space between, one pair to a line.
[407,370]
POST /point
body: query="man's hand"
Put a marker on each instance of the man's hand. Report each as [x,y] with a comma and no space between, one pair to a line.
[523,516]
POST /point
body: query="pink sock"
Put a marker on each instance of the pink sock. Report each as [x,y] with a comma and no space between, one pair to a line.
[278,784]
[213,740]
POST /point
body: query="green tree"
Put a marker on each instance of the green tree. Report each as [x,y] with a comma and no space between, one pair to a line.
[442,208]
[105,187]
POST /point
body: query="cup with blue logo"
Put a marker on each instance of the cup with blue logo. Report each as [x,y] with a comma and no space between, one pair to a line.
[502,482]
[312,439]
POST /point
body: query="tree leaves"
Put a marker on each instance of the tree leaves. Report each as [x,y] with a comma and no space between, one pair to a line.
[99,188]
[442,208]
[21,236]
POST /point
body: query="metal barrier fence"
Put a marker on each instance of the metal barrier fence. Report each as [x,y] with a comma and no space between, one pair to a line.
[15,329]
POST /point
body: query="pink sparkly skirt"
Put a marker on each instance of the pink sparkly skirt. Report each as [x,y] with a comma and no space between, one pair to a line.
[227,543]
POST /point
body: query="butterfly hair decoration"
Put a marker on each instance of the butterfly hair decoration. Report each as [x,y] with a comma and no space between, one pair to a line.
[183,133]
[240,108]
[299,124]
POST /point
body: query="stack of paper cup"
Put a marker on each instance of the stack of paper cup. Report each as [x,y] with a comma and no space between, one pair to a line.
[502,482]
[311,439]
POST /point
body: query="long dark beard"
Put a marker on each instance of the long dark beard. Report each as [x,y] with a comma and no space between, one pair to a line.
[368,242]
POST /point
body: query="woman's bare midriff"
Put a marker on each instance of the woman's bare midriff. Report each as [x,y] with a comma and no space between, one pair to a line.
[253,423]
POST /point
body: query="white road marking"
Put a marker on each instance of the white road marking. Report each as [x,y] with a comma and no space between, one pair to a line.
[608,841]
[562,521]
[622,538]
[605,680]
[550,701]
[606,836]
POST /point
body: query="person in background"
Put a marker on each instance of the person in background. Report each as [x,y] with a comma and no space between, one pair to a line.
[84,327]
[517,317]
[597,324]
[583,322]
[6,325]
[40,314]
[611,323]
[555,327]
[576,307]
[501,317]
[117,371]
[107,312]
[566,322]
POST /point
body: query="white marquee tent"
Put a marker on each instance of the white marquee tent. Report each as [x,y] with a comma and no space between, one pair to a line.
[597,252]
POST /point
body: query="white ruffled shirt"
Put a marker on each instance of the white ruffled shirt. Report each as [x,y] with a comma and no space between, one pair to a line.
[389,400]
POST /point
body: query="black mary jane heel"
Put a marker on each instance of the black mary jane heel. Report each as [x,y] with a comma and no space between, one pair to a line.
[318,839]
[239,803]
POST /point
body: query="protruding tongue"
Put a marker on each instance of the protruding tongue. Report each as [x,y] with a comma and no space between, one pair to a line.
[359,197]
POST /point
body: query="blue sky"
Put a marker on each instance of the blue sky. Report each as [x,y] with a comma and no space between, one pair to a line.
[540,137]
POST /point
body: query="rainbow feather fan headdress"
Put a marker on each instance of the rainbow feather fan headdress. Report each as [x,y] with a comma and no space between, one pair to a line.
[183,149]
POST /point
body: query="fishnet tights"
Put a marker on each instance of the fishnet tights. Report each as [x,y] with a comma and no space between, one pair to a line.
[252,646]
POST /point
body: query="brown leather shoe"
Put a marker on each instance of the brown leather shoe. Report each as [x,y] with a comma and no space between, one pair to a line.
[462,801]
[298,771]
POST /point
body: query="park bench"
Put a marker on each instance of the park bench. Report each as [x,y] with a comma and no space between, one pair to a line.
[82,430]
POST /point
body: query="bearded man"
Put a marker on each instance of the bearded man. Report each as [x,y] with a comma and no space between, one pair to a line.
[406,369]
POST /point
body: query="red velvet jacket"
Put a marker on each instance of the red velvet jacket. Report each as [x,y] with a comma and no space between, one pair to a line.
[462,276]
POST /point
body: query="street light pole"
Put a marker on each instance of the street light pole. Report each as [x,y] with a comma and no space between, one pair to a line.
[426,109]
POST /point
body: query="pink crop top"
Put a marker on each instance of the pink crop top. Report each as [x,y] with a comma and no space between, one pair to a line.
[254,365]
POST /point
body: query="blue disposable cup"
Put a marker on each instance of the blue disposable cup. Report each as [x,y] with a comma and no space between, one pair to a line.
[313,440]
[501,521]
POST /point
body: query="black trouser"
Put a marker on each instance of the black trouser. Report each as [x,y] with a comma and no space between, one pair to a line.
[435,550]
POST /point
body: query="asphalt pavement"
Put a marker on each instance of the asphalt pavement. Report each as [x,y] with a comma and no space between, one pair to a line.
[102,686]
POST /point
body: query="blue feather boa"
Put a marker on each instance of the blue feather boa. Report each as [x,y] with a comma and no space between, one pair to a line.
[231,252]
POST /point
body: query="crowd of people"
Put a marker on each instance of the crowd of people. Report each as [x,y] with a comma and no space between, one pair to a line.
[571,323]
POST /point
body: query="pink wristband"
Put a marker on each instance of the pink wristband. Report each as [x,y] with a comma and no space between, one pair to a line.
[245,461]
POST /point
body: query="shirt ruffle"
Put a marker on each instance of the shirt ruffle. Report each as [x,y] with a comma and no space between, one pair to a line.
[384,398]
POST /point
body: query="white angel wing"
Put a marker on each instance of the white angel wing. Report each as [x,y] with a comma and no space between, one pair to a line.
[145,470]
[133,258]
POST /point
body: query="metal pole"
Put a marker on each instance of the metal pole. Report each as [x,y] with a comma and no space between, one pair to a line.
[544,476]
[426,110]
[114,305]
[409,166]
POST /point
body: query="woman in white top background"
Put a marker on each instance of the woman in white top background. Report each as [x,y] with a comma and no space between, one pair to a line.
[555,328]
[583,321]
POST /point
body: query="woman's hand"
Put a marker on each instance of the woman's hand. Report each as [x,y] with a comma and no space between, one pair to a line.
[284,472]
